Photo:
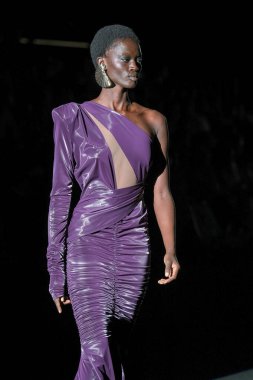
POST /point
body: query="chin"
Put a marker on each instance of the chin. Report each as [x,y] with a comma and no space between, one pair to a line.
[132,84]
[128,85]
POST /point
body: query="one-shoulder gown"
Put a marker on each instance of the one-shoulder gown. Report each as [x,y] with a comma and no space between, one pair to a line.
[103,246]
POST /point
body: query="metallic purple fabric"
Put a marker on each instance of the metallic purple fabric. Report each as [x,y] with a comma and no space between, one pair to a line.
[106,241]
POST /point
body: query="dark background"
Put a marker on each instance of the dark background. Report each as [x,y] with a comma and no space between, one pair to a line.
[198,72]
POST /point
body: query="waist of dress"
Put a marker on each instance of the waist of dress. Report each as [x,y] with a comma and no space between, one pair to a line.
[102,193]
[104,207]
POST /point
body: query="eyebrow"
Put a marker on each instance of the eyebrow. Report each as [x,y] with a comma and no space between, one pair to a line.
[129,54]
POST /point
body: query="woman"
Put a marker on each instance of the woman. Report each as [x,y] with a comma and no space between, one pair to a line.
[105,145]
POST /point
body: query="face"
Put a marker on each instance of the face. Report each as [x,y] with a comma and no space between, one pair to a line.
[123,63]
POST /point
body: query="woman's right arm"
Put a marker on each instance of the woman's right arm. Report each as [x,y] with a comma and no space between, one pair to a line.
[59,206]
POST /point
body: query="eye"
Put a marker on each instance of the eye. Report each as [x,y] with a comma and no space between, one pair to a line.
[125,59]
[128,59]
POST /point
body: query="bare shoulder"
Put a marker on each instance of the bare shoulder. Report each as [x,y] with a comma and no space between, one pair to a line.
[155,119]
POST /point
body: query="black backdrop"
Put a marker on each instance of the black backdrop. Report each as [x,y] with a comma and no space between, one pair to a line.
[197,71]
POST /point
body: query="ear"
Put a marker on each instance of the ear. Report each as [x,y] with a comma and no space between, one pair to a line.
[100,60]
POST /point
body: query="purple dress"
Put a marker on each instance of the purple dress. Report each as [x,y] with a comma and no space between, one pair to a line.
[106,239]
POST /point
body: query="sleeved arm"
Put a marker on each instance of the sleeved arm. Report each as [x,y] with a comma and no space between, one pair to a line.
[59,205]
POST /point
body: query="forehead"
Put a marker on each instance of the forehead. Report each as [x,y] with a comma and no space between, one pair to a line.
[126,46]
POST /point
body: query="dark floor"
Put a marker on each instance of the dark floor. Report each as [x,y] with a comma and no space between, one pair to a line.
[244,375]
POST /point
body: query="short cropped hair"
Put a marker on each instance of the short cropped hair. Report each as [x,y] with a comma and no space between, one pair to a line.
[106,36]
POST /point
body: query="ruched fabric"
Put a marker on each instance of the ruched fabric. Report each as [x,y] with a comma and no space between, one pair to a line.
[103,245]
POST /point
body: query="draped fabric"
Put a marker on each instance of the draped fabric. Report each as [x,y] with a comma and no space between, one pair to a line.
[102,249]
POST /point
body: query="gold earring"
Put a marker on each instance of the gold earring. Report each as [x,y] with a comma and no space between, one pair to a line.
[102,78]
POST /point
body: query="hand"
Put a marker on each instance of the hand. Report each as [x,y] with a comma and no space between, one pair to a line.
[172,268]
[59,301]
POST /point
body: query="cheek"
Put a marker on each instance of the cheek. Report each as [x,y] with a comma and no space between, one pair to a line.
[117,72]
[117,68]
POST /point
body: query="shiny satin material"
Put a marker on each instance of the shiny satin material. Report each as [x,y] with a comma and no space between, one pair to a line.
[106,240]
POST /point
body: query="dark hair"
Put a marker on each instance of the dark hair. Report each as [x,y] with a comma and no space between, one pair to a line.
[106,36]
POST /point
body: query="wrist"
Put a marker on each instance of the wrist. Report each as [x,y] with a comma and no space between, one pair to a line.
[170,252]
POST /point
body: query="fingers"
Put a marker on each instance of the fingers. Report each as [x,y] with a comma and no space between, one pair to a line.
[58,305]
[172,268]
[164,281]
[65,301]
[168,268]
[169,278]
[61,301]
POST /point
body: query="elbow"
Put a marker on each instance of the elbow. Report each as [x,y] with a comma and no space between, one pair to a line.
[162,196]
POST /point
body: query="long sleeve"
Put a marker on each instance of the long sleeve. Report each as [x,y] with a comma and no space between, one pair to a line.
[59,206]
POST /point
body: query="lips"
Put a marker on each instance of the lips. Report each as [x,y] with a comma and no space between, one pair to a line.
[133,77]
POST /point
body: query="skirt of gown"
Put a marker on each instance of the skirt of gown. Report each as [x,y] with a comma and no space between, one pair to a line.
[108,274]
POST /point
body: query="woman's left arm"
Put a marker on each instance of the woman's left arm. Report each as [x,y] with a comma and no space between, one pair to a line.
[164,206]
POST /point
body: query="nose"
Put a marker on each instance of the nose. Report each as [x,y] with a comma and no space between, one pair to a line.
[134,65]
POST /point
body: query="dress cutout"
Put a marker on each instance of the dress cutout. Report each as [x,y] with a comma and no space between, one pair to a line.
[123,171]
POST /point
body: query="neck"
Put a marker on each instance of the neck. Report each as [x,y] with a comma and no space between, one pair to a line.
[117,101]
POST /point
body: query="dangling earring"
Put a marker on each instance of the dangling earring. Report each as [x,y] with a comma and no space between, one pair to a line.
[102,78]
